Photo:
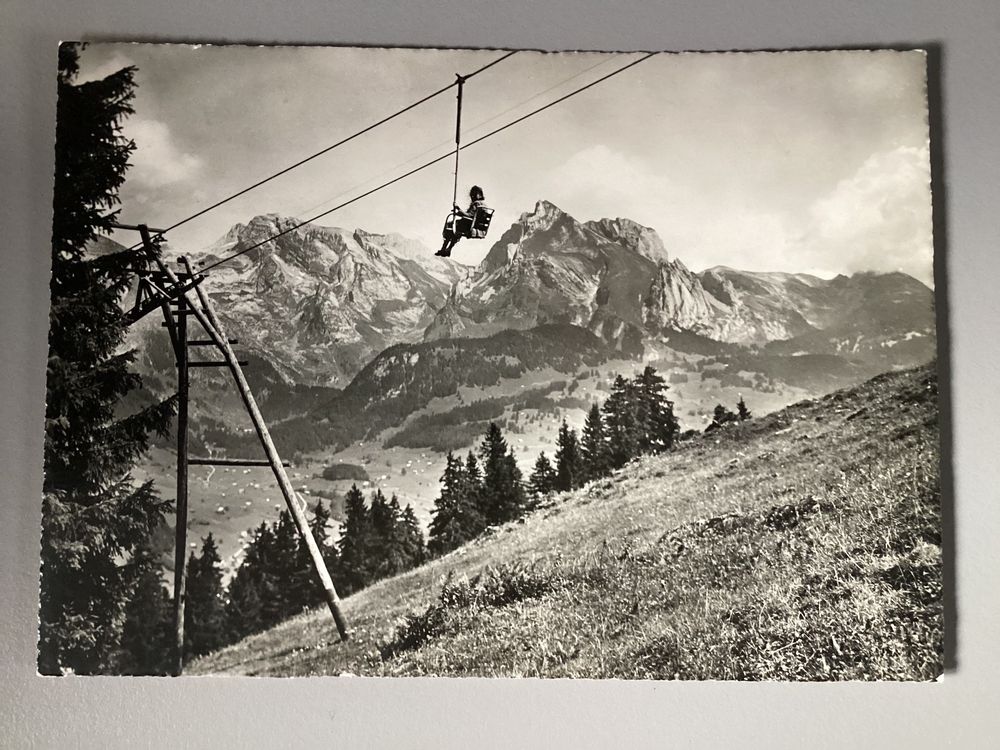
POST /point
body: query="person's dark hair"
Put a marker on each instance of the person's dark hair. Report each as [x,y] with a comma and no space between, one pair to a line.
[476,193]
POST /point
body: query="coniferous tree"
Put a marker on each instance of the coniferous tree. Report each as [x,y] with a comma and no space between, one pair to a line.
[355,541]
[569,465]
[472,486]
[146,634]
[503,494]
[252,598]
[319,526]
[744,412]
[456,517]
[444,527]
[594,445]
[204,607]
[311,588]
[620,423]
[543,477]
[293,579]
[655,413]
[518,499]
[93,516]
[268,586]
[413,538]
[472,500]
[398,559]
[243,609]
[387,541]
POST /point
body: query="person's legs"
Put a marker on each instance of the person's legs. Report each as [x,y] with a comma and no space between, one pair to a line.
[449,243]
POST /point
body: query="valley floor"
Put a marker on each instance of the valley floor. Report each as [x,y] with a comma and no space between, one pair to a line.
[804,545]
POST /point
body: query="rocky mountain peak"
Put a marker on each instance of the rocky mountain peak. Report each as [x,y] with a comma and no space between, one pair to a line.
[631,235]
[545,231]
[318,302]
[543,216]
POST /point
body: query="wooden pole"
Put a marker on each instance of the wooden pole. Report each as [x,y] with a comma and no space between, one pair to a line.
[178,338]
[207,342]
[231,462]
[212,326]
[223,363]
[180,531]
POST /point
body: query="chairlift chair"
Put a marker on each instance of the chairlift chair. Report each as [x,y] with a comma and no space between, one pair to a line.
[474,229]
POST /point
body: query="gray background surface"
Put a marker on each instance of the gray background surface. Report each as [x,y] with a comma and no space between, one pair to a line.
[961,710]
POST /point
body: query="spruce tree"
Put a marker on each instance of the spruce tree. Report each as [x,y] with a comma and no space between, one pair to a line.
[310,591]
[413,538]
[472,485]
[272,606]
[744,412]
[471,498]
[94,517]
[399,558]
[243,609]
[594,445]
[518,501]
[502,494]
[387,541]
[621,424]
[319,526]
[655,413]
[292,579]
[355,541]
[204,607]
[543,476]
[569,465]
[146,634]
[456,517]
[250,588]
[443,525]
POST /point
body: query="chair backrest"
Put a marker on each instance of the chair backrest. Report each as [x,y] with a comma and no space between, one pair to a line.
[481,222]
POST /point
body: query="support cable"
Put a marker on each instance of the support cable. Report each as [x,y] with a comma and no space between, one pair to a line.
[437,146]
[424,166]
[328,149]
[460,82]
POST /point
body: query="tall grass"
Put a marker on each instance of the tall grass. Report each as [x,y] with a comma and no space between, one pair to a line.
[804,545]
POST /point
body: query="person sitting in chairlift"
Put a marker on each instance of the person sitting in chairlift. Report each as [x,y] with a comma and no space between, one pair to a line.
[461,223]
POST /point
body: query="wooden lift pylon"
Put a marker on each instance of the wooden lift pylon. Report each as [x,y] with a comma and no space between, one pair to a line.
[159,287]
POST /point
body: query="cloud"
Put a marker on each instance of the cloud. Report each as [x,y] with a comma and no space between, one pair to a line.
[599,182]
[878,219]
[157,161]
[702,229]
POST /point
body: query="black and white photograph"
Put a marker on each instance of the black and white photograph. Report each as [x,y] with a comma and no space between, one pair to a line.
[395,362]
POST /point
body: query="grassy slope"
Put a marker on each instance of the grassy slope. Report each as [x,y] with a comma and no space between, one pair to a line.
[801,545]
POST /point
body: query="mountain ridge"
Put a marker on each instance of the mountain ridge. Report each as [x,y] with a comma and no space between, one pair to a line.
[319,303]
[615,277]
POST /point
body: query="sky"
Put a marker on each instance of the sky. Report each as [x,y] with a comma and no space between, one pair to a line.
[810,162]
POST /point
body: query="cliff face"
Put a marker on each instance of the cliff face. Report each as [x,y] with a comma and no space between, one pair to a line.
[615,277]
[321,302]
[549,268]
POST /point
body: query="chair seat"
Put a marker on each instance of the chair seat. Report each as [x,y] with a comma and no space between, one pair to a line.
[475,228]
